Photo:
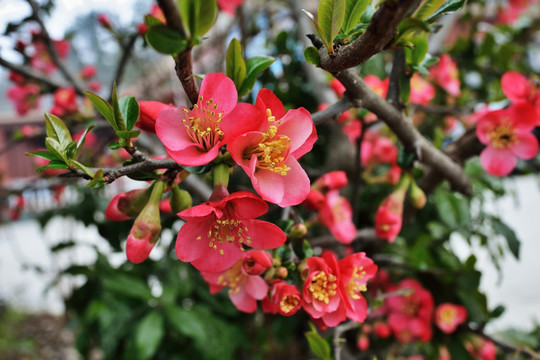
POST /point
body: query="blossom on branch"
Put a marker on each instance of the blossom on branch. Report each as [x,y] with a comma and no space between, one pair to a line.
[449,316]
[269,154]
[283,298]
[214,236]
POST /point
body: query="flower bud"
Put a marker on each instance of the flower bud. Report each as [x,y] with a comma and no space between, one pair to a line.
[104,21]
[281,272]
[382,330]
[180,199]
[298,231]
[362,342]
[256,262]
[417,196]
[125,206]
[146,229]
[149,111]
[389,216]
[331,181]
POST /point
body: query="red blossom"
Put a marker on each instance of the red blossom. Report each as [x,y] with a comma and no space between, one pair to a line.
[214,236]
[507,136]
[244,289]
[194,137]
[445,74]
[283,298]
[449,316]
[388,218]
[229,6]
[269,154]
[88,71]
[422,92]
[256,262]
[66,100]
[337,86]
[24,97]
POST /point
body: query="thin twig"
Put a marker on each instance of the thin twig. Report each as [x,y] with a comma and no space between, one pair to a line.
[332,112]
[52,49]
[338,341]
[127,50]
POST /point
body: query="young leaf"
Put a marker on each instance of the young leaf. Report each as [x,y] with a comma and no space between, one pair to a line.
[235,64]
[426,8]
[416,55]
[165,40]
[449,6]
[71,150]
[118,118]
[198,15]
[317,344]
[327,45]
[103,107]
[83,168]
[353,12]
[149,334]
[42,154]
[254,66]
[312,55]
[152,21]
[331,14]
[96,183]
[129,107]
[56,129]
[81,141]
[55,147]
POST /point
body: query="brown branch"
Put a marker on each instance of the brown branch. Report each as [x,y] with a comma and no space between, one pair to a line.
[378,36]
[338,341]
[413,141]
[332,112]
[34,75]
[52,49]
[184,61]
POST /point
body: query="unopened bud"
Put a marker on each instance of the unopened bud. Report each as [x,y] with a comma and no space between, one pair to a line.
[147,227]
[256,262]
[281,272]
[180,199]
[417,196]
[298,231]
[362,342]
[125,206]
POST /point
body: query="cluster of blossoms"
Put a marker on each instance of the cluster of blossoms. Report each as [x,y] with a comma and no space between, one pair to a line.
[222,237]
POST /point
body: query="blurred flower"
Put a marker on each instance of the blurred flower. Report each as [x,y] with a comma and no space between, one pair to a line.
[229,6]
[449,316]
[24,97]
[445,74]
[283,298]
[88,71]
[422,92]
[507,136]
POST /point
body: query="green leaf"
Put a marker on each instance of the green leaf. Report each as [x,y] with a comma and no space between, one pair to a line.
[327,45]
[55,147]
[187,323]
[416,55]
[198,15]
[254,65]
[103,107]
[457,350]
[165,40]
[449,6]
[331,14]
[353,12]
[118,118]
[312,55]
[149,334]
[152,21]
[427,7]
[235,64]
[81,167]
[318,345]
[97,181]
[54,164]
[511,239]
[42,154]
[129,107]
[198,169]
[57,130]
[80,143]
[125,285]
[126,135]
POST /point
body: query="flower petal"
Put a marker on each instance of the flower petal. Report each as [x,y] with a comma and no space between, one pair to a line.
[523,116]
[243,301]
[187,247]
[256,287]
[216,261]
[498,162]
[266,99]
[516,87]
[220,88]
[527,146]
[264,235]
[242,119]
[193,155]
[298,126]
[170,129]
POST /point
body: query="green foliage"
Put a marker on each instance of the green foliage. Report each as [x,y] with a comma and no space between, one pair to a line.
[199,16]
[311,54]
[331,14]
[353,13]
[165,40]
[448,7]
[317,344]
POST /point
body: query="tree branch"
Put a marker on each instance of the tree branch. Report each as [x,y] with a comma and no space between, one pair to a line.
[358,90]
[378,36]
[332,112]
[52,49]
[508,347]
[338,341]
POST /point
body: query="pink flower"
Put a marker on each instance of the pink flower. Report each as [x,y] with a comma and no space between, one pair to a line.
[449,316]
[376,84]
[362,342]
[229,6]
[410,315]
[244,289]
[321,296]
[519,89]
[382,330]
[88,71]
[194,137]
[481,349]
[214,236]
[377,149]
[337,86]
[24,97]
[388,219]
[356,270]
[66,99]
[283,298]
[149,111]
[507,136]
[445,74]
[41,59]
[422,92]
[336,214]
[269,154]
[333,180]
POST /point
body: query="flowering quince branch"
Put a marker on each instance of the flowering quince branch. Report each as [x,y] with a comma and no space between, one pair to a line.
[377,37]
[509,348]
[338,340]
[52,49]
[332,112]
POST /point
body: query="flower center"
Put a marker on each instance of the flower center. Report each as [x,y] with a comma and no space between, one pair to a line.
[448,316]
[323,286]
[503,136]
[356,285]
[232,278]
[272,150]
[410,306]
[203,122]
[227,231]
[288,303]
